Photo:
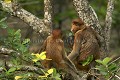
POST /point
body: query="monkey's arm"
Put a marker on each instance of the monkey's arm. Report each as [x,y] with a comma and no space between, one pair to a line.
[76,47]
[69,63]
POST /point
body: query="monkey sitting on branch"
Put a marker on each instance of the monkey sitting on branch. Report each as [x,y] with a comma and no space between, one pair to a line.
[54,47]
[86,45]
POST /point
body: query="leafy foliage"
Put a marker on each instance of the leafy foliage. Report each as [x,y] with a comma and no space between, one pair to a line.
[13,41]
[106,69]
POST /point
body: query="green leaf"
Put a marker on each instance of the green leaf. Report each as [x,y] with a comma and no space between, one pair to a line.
[18,34]
[57,78]
[87,61]
[10,32]
[3,19]
[103,73]
[22,48]
[112,67]
[26,41]
[54,72]
[99,61]
[101,68]
[11,70]
[55,75]
[3,25]
[106,60]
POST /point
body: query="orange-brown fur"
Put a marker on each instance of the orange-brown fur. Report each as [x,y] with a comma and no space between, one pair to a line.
[54,47]
[85,44]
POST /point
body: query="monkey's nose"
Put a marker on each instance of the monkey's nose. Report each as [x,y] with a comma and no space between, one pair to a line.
[73,30]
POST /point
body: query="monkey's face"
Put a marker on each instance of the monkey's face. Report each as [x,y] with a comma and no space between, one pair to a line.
[76,25]
[74,28]
[56,33]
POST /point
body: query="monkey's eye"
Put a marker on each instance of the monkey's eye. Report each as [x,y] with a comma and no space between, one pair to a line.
[76,23]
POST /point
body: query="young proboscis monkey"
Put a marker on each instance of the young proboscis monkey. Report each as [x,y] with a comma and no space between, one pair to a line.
[86,43]
[54,47]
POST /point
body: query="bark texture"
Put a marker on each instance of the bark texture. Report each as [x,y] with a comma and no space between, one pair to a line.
[48,13]
[39,25]
[108,23]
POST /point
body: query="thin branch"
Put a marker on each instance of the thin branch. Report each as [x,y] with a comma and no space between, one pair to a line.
[117,77]
[118,69]
[115,60]
[6,51]
[93,74]
[48,13]
[108,22]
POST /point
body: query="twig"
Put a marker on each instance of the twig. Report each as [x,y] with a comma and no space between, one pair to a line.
[94,76]
[114,60]
[89,73]
[117,77]
[118,70]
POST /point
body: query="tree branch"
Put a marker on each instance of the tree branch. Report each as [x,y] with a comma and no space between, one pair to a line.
[108,22]
[39,25]
[48,13]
